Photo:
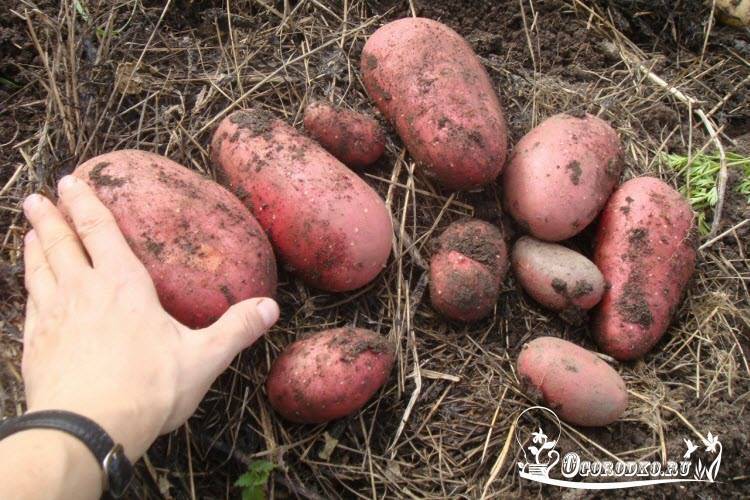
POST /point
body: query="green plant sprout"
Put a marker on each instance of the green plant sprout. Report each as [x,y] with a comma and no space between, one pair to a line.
[100,32]
[701,172]
[253,482]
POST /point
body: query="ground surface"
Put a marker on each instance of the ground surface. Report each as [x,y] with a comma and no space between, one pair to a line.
[139,74]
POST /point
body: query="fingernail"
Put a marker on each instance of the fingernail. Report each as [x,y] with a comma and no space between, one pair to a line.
[30,236]
[31,202]
[66,183]
[269,312]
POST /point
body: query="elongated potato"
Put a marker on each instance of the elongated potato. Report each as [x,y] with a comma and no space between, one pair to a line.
[323,220]
[557,277]
[645,249]
[574,382]
[201,246]
[354,138]
[429,83]
[329,375]
[561,174]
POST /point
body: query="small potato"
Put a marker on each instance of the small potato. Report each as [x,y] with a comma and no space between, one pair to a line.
[478,240]
[561,174]
[574,382]
[469,263]
[329,375]
[201,246]
[354,138]
[428,82]
[461,288]
[324,221]
[557,277]
[734,12]
[645,248]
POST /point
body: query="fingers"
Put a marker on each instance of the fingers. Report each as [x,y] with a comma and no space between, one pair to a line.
[39,279]
[94,223]
[60,245]
[239,327]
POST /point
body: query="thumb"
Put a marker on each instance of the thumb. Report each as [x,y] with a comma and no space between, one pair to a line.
[239,328]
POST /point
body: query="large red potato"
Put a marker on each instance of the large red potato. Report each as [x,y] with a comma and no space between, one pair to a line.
[428,82]
[354,138]
[574,382]
[329,375]
[323,220]
[645,249]
[201,246]
[466,270]
[561,174]
[557,277]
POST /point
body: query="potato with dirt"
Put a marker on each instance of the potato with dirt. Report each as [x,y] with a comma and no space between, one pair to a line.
[356,139]
[579,386]
[557,277]
[561,174]
[329,375]
[201,246]
[427,81]
[324,221]
[646,250]
[468,265]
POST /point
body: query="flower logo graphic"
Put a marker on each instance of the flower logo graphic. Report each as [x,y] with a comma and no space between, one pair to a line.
[543,455]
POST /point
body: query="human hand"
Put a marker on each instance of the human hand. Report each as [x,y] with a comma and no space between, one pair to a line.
[96,340]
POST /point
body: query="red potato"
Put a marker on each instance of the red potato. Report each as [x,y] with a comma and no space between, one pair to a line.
[354,138]
[561,174]
[466,270]
[557,277]
[201,246]
[645,248]
[428,82]
[329,375]
[478,240]
[574,382]
[461,288]
[323,220]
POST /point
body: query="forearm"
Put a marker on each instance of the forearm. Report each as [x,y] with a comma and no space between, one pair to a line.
[43,463]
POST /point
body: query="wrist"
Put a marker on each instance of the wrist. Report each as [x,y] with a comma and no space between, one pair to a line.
[126,424]
[52,458]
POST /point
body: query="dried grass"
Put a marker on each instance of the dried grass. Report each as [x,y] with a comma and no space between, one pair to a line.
[443,426]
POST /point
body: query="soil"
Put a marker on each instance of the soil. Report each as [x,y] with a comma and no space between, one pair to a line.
[566,69]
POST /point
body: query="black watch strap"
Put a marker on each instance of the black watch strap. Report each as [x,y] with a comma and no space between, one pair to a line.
[117,469]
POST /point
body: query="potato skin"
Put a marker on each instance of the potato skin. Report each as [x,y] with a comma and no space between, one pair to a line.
[561,174]
[557,277]
[645,248]
[478,240]
[356,139]
[323,220]
[580,387]
[201,246]
[461,288]
[329,375]
[466,270]
[427,81]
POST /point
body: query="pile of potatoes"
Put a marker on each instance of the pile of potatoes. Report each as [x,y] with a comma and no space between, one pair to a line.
[292,196]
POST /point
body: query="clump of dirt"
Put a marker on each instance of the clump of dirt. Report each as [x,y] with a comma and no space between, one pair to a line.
[476,240]
[257,122]
[100,179]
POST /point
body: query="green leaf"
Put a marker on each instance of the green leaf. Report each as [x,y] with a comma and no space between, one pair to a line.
[9,83]
[81,9]
[255,479]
